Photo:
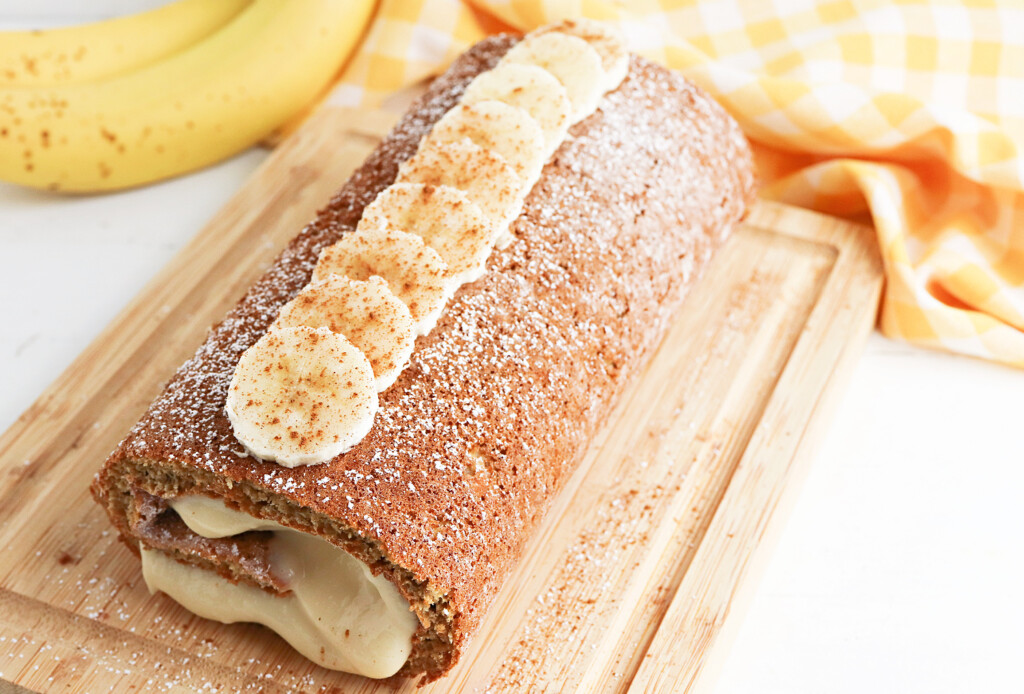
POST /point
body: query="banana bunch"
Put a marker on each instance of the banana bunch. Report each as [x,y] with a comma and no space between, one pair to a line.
[133,100]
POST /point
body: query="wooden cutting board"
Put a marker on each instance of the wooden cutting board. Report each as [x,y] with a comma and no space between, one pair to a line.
[631,582]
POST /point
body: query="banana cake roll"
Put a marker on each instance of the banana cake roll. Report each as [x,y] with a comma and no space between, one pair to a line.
[383,558]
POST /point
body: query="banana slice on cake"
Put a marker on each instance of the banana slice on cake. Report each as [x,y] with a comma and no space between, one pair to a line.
[484,176]
[603,38]
[446,219]
[301,396]
[414,271]
[531,88]
[505,130]
[571,60]
[366,312]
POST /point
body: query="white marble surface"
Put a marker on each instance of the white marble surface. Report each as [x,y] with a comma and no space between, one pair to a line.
[899,569]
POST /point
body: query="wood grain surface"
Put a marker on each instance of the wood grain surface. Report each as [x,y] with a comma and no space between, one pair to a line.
[634,579]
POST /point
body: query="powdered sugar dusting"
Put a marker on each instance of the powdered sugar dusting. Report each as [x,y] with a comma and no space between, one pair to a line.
[498,402]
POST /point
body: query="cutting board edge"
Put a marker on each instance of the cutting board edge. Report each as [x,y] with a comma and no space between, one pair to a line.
[859,271]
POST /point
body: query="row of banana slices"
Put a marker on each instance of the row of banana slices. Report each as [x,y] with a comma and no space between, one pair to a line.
[307,390]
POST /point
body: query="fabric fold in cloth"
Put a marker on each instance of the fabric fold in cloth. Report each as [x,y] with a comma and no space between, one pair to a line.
[908,115]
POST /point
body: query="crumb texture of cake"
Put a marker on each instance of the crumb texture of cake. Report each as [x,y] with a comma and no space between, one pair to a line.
[498,402]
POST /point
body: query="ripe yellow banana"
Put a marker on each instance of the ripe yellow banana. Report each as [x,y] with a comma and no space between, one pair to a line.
[112,47]
[194,108]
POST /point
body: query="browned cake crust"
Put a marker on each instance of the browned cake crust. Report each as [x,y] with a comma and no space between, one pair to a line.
[495,409]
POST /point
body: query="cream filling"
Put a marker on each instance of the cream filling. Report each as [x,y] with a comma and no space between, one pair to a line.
[339,615]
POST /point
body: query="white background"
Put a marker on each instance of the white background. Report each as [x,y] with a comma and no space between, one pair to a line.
[899,570]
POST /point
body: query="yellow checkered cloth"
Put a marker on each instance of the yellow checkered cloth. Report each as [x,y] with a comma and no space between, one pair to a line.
[908,114]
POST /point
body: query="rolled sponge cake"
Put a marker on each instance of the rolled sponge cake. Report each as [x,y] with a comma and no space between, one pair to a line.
[495,409]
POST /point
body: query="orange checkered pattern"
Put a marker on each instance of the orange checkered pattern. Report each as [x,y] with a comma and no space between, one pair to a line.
[908,114]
